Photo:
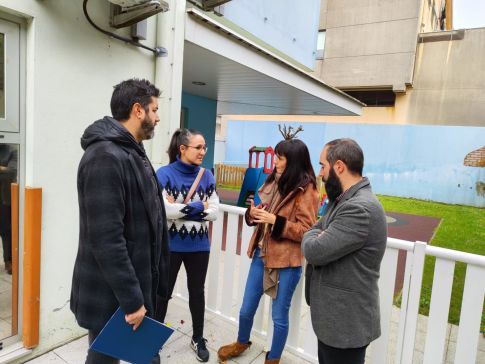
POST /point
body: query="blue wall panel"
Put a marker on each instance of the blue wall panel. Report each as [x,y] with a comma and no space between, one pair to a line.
[201,115]
[418,161]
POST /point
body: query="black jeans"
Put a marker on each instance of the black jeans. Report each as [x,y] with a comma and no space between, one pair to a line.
[195,264]
[330,355]
[97,358]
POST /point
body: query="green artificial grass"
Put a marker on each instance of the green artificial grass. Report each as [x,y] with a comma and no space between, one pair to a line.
[228,187]
[461,228]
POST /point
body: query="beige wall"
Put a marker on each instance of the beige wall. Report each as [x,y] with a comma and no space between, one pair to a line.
[448,86]
[375,45]
[70,69]
[369,44]
[449,83]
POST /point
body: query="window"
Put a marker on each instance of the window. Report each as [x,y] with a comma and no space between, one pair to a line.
[9,166]
[11,182]
[320,44]
[374,97]
[9,76]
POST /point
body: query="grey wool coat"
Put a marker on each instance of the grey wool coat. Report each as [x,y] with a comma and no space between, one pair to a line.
[343,269]
[122,259]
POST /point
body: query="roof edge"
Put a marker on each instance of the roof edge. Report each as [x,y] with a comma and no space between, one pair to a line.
[218,25]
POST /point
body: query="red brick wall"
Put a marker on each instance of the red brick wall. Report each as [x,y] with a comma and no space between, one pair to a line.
[475,158]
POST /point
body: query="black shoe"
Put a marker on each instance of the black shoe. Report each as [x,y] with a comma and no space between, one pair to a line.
[201,352]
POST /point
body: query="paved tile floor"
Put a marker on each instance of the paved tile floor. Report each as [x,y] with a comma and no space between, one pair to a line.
[177,350]
[219,332]
[5,300]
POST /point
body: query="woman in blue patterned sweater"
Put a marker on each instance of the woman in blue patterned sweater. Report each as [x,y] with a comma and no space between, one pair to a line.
[187,216]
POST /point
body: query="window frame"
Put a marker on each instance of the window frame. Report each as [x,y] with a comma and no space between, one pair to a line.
[12,42]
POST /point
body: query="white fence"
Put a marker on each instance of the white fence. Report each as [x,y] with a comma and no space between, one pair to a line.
[228,271]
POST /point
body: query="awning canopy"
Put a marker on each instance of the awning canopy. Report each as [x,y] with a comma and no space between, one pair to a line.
[247,80]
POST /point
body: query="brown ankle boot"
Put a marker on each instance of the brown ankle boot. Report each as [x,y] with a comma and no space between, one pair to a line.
[271,361]
[230,351]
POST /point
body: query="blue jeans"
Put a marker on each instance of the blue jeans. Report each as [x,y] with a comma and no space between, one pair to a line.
[288,279]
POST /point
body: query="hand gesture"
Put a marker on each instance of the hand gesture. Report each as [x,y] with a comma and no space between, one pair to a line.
[263,216]
[251,209]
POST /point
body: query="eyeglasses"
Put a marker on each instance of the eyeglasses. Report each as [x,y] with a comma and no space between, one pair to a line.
[198,147]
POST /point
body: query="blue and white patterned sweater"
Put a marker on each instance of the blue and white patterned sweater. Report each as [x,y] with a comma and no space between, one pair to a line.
[187,222]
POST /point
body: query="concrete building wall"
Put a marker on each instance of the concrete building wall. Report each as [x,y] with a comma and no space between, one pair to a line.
[448,84]
[449,81]
[70,72]
[369,44]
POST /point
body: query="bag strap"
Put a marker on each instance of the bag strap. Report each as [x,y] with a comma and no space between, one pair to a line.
[194,185]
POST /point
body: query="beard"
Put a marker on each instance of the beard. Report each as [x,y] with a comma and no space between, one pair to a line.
[333,186]
[147,128]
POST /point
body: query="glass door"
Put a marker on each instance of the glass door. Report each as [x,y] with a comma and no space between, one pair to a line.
[10,176]
[9,76]
[9,229]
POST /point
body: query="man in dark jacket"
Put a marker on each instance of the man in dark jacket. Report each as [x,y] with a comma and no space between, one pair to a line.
[344,250]
[122,259]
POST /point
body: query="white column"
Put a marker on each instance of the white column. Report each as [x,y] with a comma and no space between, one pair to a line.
[168,77]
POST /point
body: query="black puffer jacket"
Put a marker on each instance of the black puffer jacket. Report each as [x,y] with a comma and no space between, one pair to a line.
[122,258]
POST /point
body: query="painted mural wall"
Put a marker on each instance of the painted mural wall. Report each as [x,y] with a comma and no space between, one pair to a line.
[424,162]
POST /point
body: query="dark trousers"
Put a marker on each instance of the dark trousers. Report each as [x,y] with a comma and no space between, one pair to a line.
[330,355]
[6,231]
[97,358]
[195,264]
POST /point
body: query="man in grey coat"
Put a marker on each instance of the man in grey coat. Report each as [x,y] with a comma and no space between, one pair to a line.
[344,250]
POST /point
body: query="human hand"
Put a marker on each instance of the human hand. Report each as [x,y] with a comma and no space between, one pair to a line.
[170,199]
[136,317]
[253,208]
[263,216]
[206,205]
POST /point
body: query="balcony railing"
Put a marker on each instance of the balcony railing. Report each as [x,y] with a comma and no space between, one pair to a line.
[228,272]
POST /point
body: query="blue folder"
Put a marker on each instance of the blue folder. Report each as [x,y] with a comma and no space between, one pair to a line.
[117,339]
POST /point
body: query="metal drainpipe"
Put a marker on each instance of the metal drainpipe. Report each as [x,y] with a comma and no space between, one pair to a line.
[170,33]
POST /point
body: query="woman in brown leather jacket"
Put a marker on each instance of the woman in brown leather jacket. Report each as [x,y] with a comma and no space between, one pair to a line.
[289,201]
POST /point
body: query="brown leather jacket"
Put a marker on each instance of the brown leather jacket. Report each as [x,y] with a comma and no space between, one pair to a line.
[295,214]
